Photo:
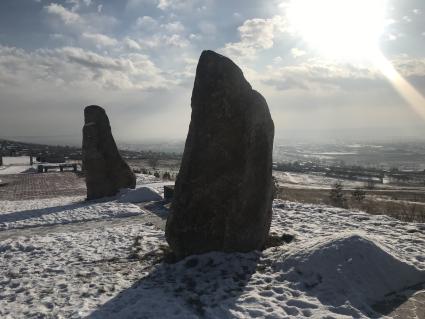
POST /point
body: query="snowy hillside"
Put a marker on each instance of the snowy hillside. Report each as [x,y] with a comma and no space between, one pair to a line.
[66,258]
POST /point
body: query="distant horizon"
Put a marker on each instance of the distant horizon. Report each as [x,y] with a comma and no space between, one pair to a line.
[320,137]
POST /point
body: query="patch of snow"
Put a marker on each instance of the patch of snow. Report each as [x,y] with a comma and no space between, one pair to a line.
[15,169]
[7,206]
[140,195]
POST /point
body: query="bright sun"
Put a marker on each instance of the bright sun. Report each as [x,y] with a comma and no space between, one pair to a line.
[345,29]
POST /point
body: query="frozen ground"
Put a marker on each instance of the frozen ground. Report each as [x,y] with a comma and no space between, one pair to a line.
[339,264]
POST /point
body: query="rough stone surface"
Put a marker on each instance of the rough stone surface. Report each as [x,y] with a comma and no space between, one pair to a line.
[106,172]
[223,193]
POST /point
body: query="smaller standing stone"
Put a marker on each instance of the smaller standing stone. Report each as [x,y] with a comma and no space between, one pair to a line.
[168,192]
[106,171]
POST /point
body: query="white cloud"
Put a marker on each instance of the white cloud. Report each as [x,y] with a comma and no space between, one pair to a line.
[100,40]
[185,5]
[74,22]
[176,40]
[146,22]
[326,77]
[410,67]
[296,53]
[72,67]
[255,35]
[131,44]
[78,4]
[67,16]
[195,37]
[277,60]
[151,34]
[207,28]
[164,4]
[407,19]
[173,27]
[320,76]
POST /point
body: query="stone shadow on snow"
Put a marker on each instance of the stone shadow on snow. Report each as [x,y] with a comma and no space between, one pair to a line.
[197,286]
[34,213]
[409,303]
[159,208]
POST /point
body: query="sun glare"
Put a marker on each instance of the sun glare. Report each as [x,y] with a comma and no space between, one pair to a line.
[407,91]
[346,29]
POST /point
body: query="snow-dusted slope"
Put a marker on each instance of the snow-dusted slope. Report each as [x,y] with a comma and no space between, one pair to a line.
[339,264]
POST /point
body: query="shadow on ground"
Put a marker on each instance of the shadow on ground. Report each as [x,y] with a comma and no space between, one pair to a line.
[159,208]
[409,303]
[35,213]
[198,286]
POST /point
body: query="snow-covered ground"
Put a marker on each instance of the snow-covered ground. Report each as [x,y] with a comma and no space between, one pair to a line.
[15,169]
[338,265]
[15,165]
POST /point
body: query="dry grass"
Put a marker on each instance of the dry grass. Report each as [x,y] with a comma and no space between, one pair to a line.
[405,206]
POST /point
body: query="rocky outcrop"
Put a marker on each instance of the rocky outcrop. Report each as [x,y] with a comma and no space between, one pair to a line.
[106,172]
[223,193]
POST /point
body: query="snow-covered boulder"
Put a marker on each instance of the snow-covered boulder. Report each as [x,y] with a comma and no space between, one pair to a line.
[140,195]
[105,169]
[348,267]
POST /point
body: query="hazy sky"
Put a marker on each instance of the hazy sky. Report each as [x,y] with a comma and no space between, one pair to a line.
[313,60]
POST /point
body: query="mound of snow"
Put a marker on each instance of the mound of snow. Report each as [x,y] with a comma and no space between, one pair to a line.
[140,195]
[349,267]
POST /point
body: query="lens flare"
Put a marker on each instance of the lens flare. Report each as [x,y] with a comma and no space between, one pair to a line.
[407,91]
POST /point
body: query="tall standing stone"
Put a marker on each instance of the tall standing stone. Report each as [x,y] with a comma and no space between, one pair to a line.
[223,194]
[106,171]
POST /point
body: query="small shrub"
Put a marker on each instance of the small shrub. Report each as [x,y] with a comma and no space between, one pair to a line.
[359,194]
[336,195]
[370,184]
[166,176]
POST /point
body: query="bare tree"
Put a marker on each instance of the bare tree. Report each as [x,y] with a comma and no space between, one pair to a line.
[359,194]
[336,195]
